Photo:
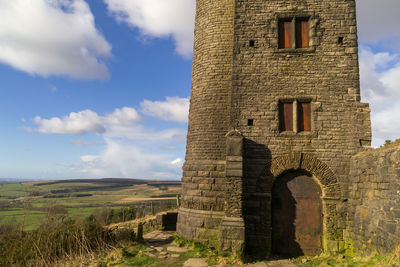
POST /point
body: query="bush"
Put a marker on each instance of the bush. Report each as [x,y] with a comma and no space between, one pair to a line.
[53,241]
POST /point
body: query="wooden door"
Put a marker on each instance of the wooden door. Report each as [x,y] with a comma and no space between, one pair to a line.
[296,216]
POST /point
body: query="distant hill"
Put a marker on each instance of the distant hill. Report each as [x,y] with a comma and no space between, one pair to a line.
[15,180]
[115,181]
[120,181]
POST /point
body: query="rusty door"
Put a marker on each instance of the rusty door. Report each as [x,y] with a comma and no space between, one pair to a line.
[296,216]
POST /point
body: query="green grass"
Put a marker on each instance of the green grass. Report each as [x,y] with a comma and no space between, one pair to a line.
[15,190]
[200,250]
[81,212]
[128,255]
[134,254]
[29,219]
[373,259]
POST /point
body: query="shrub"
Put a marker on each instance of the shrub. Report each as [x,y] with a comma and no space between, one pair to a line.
[53,241]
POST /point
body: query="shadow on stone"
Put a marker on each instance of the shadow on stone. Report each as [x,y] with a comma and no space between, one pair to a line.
[284,243]
[256,192]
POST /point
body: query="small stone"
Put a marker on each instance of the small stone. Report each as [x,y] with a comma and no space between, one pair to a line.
[159,249]
[177,249]
[304,260]
[175,255]
[195,263]
[149,254]
[163,253]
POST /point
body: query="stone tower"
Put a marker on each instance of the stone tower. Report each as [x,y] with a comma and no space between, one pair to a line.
[275,116]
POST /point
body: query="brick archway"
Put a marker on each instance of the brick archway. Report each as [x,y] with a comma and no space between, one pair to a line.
[308,163]
[333,207]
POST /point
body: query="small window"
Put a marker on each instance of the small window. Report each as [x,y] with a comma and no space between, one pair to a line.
[294,32]
[286,116]
[285,34]
[252,43]
[301,33]
[295,116]
[250,122]
[304,116]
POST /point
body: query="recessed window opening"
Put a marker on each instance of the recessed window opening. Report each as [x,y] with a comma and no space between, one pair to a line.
[340,40]
[252,43]
[295,115]
[250,122]
[304,116]
[285,34]
[285,116]
[294,33]
[301,33]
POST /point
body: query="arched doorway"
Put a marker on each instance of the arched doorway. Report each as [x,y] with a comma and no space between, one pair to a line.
[296,215]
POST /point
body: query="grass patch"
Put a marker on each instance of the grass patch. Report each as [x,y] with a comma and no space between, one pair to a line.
[28,219]
[373,259]
[131,254]
[14,190]
[200,250]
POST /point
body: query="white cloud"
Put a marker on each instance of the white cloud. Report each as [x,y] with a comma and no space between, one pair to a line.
[138,132]
[52,37]
[173,109]
[380,86]
[122,123]
[159,18]
[120,159]
[378,21]
[86,121]
[130,149]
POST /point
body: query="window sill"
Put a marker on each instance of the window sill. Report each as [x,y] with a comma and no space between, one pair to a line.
[295,50]
[298,134]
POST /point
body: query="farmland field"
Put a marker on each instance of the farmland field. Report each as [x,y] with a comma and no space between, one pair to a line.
[28,203]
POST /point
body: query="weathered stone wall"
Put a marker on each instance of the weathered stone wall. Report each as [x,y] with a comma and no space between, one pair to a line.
[160,221]
[204,170]
[326,73]
[374,200]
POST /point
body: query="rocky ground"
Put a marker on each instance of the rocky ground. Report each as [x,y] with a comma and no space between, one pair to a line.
[160,246]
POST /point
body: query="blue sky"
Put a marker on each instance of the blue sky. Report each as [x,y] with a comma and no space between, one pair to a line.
[99,88]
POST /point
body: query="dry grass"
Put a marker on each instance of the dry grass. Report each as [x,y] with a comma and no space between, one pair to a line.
[394,258]
[53,242]
[390,144]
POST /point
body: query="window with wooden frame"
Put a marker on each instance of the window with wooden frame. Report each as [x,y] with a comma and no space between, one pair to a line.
[304,116]
[285,116]
[294,33]
[294,116]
